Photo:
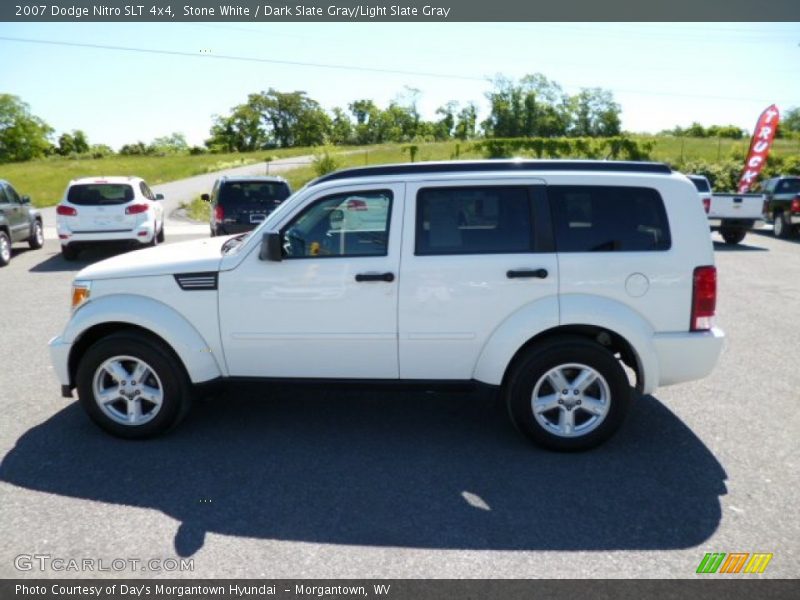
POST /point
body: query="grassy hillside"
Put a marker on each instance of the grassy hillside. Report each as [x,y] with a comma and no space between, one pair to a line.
[45,180]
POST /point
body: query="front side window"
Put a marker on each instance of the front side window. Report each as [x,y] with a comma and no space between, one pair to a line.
[608,219]
[99,194]
[473,220]
[3,198]
[12,195]
[354,224]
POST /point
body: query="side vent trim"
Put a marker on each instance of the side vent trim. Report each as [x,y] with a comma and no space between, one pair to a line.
[197,282]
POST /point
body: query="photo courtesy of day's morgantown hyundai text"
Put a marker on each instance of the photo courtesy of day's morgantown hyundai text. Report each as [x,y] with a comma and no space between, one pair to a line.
[568,286]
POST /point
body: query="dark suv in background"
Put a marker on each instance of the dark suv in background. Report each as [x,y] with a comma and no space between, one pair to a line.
[782,204]
[19,222]
[239,204]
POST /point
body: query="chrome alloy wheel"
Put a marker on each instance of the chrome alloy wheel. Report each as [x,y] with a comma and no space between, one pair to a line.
[38,233]
[127,390]
[5,249]
[570,400]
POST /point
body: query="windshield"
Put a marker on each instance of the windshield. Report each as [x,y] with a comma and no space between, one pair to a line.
[252,192]
[96,194]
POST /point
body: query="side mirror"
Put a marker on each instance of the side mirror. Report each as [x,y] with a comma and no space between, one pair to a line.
[26,199]
[159,196]
[205,197]
[271,247]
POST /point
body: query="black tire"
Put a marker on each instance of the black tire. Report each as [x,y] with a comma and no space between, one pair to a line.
[5,249]
[36,240]
[160,237]
[163,364]
[733,236]
[781,226]
[533,366]
[69,252]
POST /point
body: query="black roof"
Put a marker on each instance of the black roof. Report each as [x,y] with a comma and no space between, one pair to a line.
[479,166]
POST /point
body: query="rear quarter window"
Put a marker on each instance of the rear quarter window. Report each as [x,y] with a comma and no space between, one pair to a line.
[99,194]
[608,219]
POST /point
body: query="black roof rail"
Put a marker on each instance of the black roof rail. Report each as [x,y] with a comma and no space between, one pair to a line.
[465,166]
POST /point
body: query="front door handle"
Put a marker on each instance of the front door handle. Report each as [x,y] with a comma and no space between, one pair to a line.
[519,273]
[388,277]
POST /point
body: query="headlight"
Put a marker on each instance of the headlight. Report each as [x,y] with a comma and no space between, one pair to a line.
[81,290]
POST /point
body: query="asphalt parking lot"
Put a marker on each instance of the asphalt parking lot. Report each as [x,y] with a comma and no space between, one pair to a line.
[299,483]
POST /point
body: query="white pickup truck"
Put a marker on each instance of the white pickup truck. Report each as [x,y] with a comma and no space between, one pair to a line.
[730,214]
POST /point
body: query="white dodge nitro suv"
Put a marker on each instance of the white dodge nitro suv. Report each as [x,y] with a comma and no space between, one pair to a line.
[538,278]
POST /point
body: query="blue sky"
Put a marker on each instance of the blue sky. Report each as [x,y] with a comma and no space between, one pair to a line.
[662,74]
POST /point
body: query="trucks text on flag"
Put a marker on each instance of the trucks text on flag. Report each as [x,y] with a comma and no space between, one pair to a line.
[763,135]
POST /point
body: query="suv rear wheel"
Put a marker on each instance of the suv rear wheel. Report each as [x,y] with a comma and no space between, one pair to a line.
[132,386]
[568,394]
[781,227]
[5,249]
[36,240]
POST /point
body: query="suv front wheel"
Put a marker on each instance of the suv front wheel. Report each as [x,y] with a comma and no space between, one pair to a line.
[132,385]
[568,394]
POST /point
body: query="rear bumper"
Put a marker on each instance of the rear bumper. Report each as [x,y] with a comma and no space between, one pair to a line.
[742,223]
[59,356]
[143,234]
[687,356]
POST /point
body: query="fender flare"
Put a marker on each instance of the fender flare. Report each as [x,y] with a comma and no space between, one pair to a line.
[156,317]
[572,309]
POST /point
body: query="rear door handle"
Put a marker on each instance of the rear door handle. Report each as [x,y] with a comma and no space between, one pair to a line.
[388,277]
[519,273]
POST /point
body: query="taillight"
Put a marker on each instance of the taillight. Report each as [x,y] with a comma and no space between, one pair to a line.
[707,204]
[135,209]
[219,213]
[704,298]
[796,205]
[66,211]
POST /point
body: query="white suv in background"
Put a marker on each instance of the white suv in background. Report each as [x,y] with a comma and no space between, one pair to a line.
[539,279]
[108,209]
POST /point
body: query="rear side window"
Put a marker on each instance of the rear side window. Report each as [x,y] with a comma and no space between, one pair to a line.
[98,194]
[473,220]
[701,183]
[608,219]
[788,186]
[3,198]
[253,192]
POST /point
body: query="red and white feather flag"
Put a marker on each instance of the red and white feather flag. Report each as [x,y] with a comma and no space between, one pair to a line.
[760,145]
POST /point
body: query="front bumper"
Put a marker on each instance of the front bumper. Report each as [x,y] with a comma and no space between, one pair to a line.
[59,356]
[687,356]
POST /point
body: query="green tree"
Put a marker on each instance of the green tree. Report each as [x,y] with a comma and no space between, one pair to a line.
[594,114]
[72,143]
[174,143]
[790,121]
[341,127]
[292,119]
[23,136]
[466,122]
[241,131]
[532,107]
[443,128]
[66,144]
